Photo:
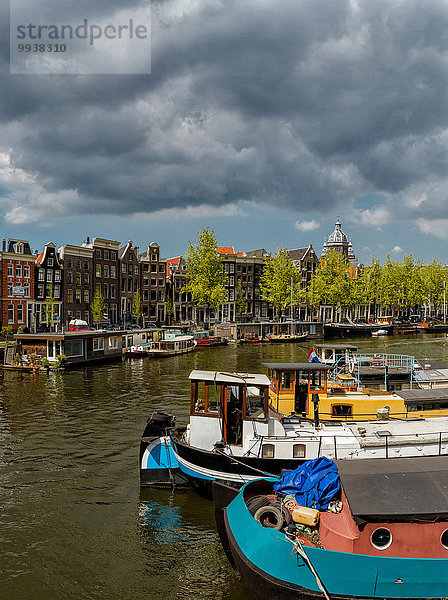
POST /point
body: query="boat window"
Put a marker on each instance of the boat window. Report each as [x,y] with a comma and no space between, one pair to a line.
[268,451]
[444,539]
[299,451]
[255,403]
[342,410]
[205,398]
[381,538]
[286,380]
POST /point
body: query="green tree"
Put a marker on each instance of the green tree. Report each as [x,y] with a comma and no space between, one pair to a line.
[49,307]
[169,309]
[206,278]
[435,283]
[278,275]
[137,306]
[332,283]
[241,302]
[97,305]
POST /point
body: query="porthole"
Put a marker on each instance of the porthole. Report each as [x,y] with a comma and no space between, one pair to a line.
[382,538]
[444,539]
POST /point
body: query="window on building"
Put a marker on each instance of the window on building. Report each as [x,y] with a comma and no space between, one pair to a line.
[98,270]
[50,262]
[78,278]
[129,269]
[78,263]
[113,255]
[145,268]
[98,344]
[106,271]
[57,291]
[145,281]
[78,296]
[86,296]
[231,295]
[41,275]
[10,270]
[86,265]
[113,291]
[49,275]
[86,278]
[153,268]
[106,290]
[10,313]
[10,286]
[98,253]
[57,276]
[18,270]
[69,263]
[73,347]
[26,270]
[124,267]
[20,313]
[69,296]
[69,277]
[145,296]
[113,271]
[113,342]
[129,285]
[26,287]
[161,296]
[136,270]
[106,254]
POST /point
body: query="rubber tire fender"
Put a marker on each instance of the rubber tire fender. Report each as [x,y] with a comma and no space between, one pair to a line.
[256,502]
[269,516]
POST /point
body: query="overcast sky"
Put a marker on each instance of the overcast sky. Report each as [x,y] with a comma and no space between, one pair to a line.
[264,119]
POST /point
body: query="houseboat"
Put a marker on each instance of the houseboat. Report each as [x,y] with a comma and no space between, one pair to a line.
[203,339]
[72,348]
[294,385]
[381,531]
[287,338]
[233,435]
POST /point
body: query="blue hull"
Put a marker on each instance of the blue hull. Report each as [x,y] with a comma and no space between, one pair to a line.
[270,569]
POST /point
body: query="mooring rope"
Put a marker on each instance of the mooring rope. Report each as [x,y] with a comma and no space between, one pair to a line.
[298,548]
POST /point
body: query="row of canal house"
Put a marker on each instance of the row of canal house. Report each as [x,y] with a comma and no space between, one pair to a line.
[69,276]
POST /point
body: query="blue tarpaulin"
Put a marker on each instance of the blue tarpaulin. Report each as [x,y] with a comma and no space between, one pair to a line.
[314,484]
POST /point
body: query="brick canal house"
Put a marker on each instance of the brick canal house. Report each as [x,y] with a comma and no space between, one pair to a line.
[106,276]
[153,284]
[184,309]
[77,263]
[48,289]
[130,284]
[17,283]
[306,262]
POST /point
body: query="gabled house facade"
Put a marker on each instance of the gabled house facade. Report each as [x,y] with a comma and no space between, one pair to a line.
[17,283]
[130,285]
[77,263]
[48,289]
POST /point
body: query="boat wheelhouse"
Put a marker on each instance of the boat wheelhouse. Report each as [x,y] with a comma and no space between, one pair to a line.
[304,388]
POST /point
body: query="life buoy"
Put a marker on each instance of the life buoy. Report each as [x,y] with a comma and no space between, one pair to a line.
[351,365]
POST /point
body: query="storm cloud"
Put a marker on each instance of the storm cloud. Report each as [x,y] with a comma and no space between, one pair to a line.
[306,105]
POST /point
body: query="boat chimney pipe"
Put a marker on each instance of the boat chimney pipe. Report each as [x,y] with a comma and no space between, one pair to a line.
[315,401]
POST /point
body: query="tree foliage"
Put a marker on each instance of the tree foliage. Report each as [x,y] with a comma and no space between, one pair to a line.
[137,306]
[278,274]
[97,306]
[206,278]
[332,283]
[49,307]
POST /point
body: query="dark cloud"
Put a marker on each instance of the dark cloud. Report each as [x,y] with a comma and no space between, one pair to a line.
[301,104]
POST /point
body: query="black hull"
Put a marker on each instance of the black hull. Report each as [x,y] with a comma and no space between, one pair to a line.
[221,466]
[163,478]
[342,331]
[222,496]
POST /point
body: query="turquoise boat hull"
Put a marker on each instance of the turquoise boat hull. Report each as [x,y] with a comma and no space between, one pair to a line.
[271,570]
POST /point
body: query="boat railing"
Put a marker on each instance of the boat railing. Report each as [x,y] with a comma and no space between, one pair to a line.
[380,441]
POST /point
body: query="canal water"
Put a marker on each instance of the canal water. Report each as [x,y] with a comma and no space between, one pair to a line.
[73,521]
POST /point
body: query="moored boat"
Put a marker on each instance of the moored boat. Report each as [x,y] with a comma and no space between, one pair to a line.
[385,535]
[203,339]
[234,436]
[286,338]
